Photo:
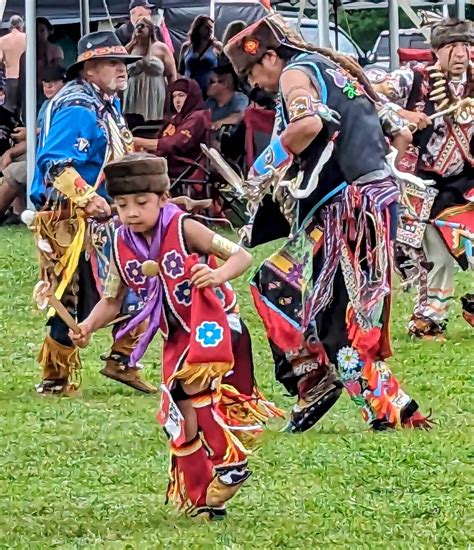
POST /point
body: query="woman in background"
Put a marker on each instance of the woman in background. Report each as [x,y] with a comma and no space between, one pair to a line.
[199,53]
[189,123]
[148,78]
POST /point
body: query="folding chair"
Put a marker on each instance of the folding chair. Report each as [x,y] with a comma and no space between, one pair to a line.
[200,181]
[258,124]
[258,133]
[147,129]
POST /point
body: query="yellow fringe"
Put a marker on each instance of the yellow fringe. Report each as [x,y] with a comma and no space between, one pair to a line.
[59,361]
[234,444]
[70,260]
[271,410]
[249,409]
[204,372]
[232,456]
[65,264]
[176,491]
[248,438]
[244,414]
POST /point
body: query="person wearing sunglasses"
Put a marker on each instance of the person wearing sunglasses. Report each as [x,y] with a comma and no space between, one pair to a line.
[227,105]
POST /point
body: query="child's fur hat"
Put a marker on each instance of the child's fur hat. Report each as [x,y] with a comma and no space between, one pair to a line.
[137,173]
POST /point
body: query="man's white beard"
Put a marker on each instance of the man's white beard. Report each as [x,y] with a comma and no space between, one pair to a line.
[116,86]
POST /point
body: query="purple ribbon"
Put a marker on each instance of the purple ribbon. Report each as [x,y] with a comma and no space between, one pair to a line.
[154,301]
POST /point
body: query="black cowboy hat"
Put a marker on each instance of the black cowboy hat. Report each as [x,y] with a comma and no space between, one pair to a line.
[140,4]
[54,73]
[224,66]
[99,45]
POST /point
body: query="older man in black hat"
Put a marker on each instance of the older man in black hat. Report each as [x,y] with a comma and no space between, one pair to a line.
[83,130]
[438,99]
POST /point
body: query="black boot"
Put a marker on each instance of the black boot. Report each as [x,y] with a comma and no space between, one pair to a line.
[317,394]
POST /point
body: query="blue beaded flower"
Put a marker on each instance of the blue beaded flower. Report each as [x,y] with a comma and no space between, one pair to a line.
[182,292]
[209,334]
[220,294]
[133,269]
[173,264]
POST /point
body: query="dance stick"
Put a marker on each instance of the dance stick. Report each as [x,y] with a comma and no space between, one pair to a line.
[44,297]
[466,102]
[63,313]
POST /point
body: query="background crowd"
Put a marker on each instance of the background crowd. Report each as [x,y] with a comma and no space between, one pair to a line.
[175,99]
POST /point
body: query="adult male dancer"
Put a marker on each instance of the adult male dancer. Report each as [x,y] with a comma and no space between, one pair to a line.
[83,130]
[444,149]
[325,297]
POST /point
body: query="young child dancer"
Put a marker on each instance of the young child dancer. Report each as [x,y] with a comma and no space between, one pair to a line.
[167,258]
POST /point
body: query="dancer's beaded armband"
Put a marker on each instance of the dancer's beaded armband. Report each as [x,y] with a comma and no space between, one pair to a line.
[391,121]
[274,157]
[70,183]
[305,106]
[223,247]
[277,156]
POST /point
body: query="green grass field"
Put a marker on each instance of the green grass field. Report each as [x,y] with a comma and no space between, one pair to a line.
[91,472]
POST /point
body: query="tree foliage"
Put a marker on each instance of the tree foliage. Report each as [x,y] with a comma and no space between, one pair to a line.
[365,25]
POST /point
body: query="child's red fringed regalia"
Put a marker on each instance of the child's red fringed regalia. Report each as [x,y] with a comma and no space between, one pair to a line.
[202,329]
